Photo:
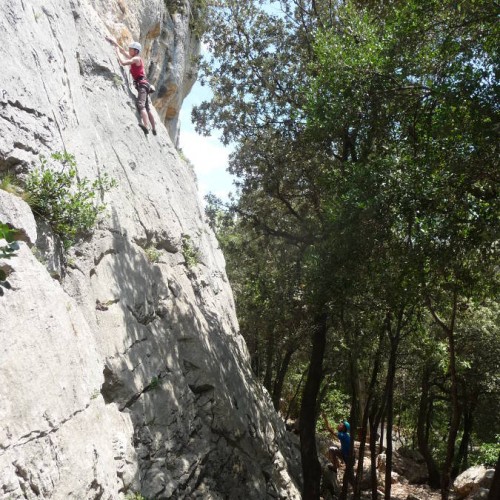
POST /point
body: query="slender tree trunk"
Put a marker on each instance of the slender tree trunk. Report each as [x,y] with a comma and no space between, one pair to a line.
[454,423]
[455,405]
[349,470]
[462,455]
[422,434]
[373,457]
[311,468]
[364,423]
[268,376]
[255,354]
[391,373]
[495,485]
[382,429]
[280,378]
[375,423]
[293,402]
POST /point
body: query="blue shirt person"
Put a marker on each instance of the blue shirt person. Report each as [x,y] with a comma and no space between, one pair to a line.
[343,435]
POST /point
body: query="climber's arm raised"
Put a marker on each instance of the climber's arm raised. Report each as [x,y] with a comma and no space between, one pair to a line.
[127,61]
[330,429]
[115,44]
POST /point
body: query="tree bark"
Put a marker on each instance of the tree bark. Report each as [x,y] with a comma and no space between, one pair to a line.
[373,455]
[495,485]
[280,378]
[455,405]
[461,460]
[268,375]
[422,434]
[349,470]
[391,373]
[364,423]
[311,468]
[381,425]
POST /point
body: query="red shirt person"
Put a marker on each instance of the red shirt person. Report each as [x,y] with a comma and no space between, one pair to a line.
[133,59]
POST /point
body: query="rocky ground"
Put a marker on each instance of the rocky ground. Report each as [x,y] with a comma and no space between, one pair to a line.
[405,491]
[409,480]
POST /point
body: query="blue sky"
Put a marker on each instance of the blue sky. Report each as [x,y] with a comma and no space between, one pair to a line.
[207,154]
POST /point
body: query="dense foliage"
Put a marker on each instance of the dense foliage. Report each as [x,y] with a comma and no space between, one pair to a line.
[364,242]
[68,202]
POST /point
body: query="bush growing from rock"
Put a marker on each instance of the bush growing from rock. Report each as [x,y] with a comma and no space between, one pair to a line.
[66,201]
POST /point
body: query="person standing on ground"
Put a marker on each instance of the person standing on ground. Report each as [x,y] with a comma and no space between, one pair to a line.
[133,59]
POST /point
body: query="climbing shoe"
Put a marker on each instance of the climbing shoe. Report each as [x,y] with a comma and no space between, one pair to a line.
[144,129]
[154,131]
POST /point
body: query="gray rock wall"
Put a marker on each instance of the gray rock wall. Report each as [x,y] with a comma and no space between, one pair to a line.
[170,49]
[121,366]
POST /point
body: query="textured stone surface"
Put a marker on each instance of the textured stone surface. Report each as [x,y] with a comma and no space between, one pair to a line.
[169,47]
[16,213]
[408,465]
[472,480]
[127,373]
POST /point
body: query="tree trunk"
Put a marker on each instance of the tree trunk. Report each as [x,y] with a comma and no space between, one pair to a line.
[382,429]
[292,403]
[349,470]
[373,458]
[311,468]
[268,375]
[495,485]
[455,406]
[454,425]
[462,455]
[364,423]
[391,373]
[422,434]
[280,378]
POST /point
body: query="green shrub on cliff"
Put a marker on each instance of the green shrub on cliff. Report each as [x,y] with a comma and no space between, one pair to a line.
[8,247]
[68,202]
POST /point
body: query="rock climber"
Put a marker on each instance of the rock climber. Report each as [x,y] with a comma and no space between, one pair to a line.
[344,437]
[144,88]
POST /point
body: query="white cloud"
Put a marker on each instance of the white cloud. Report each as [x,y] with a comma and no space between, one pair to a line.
[207,154]
[210,160]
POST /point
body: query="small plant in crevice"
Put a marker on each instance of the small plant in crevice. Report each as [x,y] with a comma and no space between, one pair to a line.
[71,262]
[67,202]
[135,496]
[117,81]
[154,384]
[152,253]
[10,184]
[8,247]
[189,252]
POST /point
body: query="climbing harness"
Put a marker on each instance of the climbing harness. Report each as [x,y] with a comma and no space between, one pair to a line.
[142,82]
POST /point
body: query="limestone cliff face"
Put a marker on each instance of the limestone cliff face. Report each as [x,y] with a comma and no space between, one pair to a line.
[170,49]
[121,366]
